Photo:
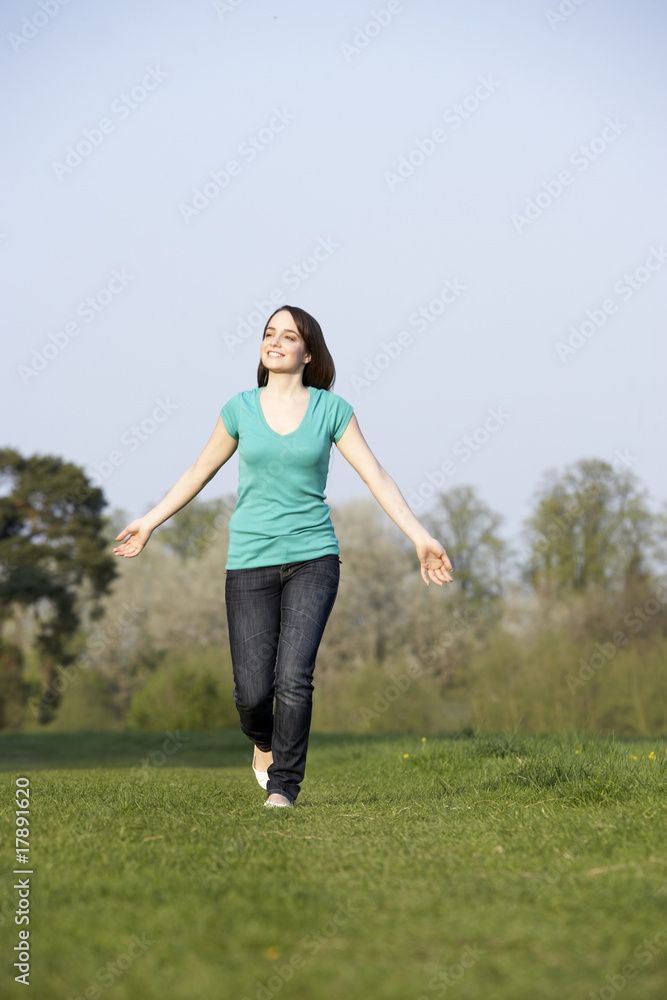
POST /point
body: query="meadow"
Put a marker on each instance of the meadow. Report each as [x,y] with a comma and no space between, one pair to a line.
[503,866]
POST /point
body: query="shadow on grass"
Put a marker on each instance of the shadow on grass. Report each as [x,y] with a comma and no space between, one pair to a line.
[109,749]
[231,748]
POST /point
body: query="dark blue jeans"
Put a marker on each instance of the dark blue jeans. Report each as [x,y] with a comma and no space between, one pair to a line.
[276,617]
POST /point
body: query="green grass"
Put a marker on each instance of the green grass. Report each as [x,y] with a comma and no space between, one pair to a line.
[497,867]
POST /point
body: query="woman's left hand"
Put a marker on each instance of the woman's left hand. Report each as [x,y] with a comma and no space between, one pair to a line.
[434,562]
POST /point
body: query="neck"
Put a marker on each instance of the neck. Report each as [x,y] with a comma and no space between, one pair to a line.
[289,386]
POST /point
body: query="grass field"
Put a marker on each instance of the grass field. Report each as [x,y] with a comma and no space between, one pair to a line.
[476,867]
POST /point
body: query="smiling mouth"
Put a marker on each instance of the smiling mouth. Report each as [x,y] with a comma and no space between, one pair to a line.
[274,354]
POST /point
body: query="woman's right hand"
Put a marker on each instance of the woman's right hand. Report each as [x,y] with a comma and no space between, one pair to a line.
[139,535]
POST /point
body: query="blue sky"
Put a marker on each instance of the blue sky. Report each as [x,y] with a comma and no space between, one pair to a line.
[470,199]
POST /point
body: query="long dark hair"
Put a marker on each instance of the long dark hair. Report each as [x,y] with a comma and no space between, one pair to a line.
[320,371]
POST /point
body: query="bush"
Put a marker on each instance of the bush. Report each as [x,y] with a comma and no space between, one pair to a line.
[562,683]
[192,692]
[86,701]
[385,698]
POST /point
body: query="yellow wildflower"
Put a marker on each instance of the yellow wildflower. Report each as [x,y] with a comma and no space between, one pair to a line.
[651,756]
[405,755]
[634,757]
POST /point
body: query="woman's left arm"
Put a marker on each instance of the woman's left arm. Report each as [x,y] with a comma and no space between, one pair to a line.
[432,556]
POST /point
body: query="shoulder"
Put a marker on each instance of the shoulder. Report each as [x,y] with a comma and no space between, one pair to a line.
[233,409]
[338,413]
[333,400]
[246,395]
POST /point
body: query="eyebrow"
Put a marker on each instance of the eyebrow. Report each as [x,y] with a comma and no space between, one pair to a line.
[286,330]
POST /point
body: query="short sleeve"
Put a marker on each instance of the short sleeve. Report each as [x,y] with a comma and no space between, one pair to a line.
[230,416]
[340,414]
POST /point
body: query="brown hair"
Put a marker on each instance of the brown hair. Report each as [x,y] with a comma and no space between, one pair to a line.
[320,371]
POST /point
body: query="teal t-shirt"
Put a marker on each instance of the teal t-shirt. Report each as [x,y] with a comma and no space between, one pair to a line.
[281,516]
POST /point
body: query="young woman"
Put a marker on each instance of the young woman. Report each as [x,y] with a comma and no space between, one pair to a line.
[283,565]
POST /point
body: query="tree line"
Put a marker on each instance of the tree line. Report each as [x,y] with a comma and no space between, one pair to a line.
[88,640]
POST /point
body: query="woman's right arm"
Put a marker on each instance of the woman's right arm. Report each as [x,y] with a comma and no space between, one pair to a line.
[220,448]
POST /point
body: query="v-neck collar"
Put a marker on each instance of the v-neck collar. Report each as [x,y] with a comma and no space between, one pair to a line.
[261,412]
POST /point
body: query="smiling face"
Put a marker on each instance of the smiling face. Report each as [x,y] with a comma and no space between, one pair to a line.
[283,349]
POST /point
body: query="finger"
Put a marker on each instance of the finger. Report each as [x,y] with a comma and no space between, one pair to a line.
[444,575]
[445,559]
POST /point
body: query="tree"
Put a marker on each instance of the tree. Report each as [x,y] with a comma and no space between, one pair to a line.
[468,529]
[51,545]
[191,529]
[369,619]
[591,527]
